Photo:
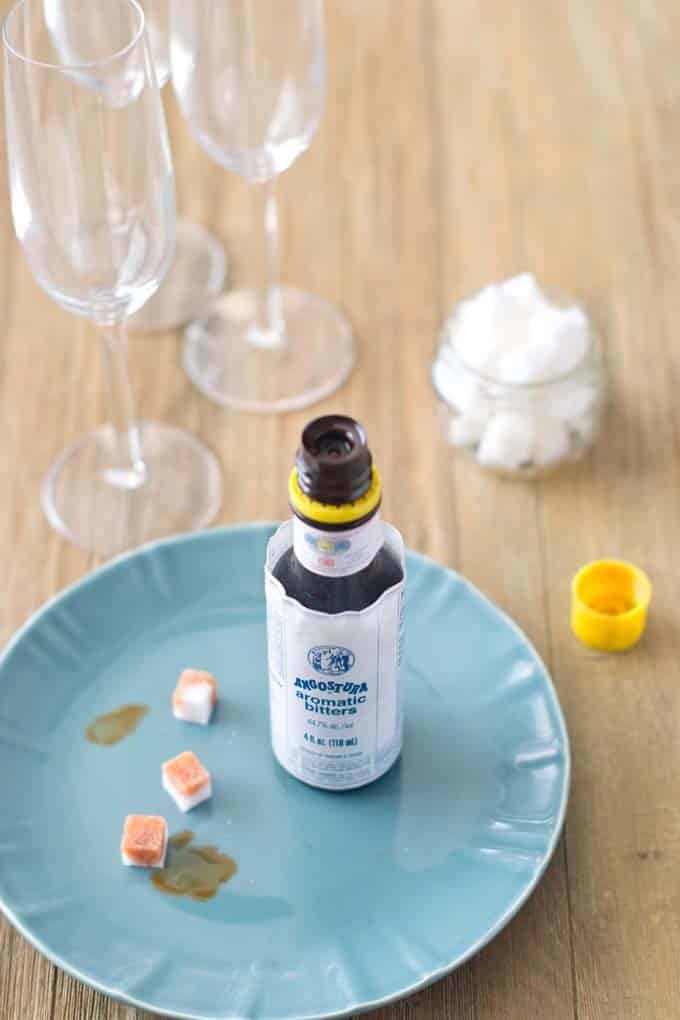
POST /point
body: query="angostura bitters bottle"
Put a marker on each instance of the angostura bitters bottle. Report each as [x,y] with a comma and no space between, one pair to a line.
[335,580]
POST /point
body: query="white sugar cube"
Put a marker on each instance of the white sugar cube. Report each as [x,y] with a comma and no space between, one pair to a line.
[479,325]
[483,308]
[558,340]
[508,441]
[448,381]
[551,442]
[514,318]
[187,781]
[525,364]
[524,288]
[467,429]
[459,390]
[572,400]
[186,802]
[196,705]
[195,696]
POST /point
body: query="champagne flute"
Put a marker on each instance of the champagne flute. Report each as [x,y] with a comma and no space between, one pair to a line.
[199,267]
[251,80]
[93,205]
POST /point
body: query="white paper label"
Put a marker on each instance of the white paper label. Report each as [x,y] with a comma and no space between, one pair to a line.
[335,698]
[337,553]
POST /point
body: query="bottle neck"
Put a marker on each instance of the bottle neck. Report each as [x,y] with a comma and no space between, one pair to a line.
[337,553]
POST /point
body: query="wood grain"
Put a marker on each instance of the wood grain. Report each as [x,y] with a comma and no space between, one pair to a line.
[463,142]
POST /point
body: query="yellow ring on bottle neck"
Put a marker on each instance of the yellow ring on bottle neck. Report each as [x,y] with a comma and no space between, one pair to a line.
[327,513]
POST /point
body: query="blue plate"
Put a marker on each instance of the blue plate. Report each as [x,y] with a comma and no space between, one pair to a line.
[341,902]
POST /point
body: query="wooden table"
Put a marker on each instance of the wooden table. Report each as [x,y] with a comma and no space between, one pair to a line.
[464,141]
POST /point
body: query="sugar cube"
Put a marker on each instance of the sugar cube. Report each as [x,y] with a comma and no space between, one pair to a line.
[551,441]
[524,288]
[478,328]
[572,400]
[187,781]
[508,441]
[145,841]
[195,696]
[558,340]
[467,429]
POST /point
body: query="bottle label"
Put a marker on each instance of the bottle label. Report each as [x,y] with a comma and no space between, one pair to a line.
[337,553]
[334,684]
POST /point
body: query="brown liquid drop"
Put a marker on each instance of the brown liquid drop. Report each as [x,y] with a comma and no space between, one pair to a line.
[193,871]
[109,729]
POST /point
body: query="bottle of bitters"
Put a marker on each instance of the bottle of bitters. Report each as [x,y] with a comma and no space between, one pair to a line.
[335,578]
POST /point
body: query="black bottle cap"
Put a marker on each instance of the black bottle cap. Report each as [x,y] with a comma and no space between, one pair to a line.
[334,462]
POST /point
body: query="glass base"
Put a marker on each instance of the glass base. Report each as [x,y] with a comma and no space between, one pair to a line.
[195,278]
[182,490]
[314,360]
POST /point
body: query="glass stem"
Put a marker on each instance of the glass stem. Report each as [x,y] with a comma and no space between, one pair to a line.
[268,329]
[127,469]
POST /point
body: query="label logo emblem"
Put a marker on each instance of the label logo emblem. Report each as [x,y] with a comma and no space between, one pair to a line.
[327,545]
[331,660]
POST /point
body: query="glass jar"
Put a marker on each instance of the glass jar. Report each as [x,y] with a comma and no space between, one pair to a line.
[520,430]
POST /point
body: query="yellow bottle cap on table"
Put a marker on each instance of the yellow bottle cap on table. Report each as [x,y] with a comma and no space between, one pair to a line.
[610,599]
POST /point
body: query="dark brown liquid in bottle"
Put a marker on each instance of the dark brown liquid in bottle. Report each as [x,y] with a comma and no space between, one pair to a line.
[113,727]
[338,594]
[193,871]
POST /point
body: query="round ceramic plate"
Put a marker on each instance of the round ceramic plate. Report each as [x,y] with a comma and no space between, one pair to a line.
[341,902]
